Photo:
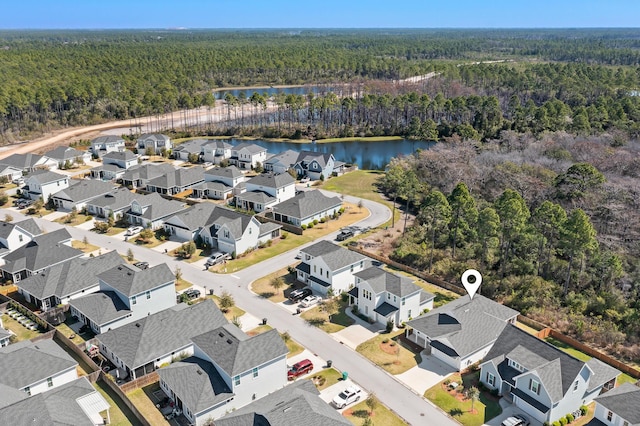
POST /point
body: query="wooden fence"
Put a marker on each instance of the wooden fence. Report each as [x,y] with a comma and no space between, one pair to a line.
[286,226]
[125,400]
[140,382]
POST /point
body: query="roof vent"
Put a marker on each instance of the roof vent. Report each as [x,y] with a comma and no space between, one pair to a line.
[199,372]
[138,324]
[286,409]
[129,273]
[221,334]
[119,268]
[229,341]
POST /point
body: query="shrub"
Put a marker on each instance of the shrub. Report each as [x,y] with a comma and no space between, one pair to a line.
[556,423]
[563,421]
[284,235]
[304,227]
[385,340]
[389,327]
[584,409]
[315,222]
[570,418]
[310,225]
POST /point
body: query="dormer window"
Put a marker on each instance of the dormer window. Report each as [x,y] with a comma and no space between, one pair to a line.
[515,365]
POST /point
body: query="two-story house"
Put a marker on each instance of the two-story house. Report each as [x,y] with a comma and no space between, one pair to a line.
[266,190]
[540,379]
[215,151]
[69,280]
[14,235]
[385,297]
[116,202]
[461,332]
[64,155]
[150,211]
[10,173]
[232,370]
[43,183]
[126,295]
[29,162]
[105,144]
[138,176]
[619,406]
[281,162]
[139,348]
[219,183]
[328,267]
[315,165]
[156,142]
[114,165]
[176,181]
[306,207]
[80,192]
[247,155]
[189,148]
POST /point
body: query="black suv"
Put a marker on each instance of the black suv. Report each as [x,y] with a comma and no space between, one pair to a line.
[141,265]
[299,294]
[192,293]
[344,235]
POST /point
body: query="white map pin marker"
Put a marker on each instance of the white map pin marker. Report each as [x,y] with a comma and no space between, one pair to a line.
[471,287]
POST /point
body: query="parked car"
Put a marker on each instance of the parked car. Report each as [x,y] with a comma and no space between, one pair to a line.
[516,420]
[133,230]
[299,294]
[305,179]
[347,396]
[192,293]
[310,301]
[23,203]
[344,235]
[299,369]
[141,265]
[215,258]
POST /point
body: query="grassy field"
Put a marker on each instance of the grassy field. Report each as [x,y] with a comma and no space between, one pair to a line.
[459,407]
[118,413]
[262,286]
[359,413]
[143,399]
[182,284]
[79,219]
[326,378]
[294,347]
[390,355]
[259,330]
[85,248]
[21,332]
[114,230]
[234,311]
[317,317]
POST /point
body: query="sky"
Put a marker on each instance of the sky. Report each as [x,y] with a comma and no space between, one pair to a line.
[114,14]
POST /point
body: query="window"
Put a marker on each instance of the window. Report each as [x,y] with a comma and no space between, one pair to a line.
[148,293]
[320,271]
[133,300]
[50,382]
[575,386]
[236,380]
[491,380]
[515,365]
[409,313]
[20,237]
[351,268]
[255,372]
[314,268]
[27,390]
[625,423]
[404,299]
[394,299]
[534,386]
[327,274]
[610,415]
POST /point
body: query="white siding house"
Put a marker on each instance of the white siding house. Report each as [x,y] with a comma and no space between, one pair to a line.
[43,183]
[619,406]
[105,144]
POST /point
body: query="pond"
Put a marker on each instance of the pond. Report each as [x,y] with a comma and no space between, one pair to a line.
[368,155]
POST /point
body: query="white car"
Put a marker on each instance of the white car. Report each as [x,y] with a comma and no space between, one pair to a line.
[133,230]
[310,301]
[347,396]
[516,420]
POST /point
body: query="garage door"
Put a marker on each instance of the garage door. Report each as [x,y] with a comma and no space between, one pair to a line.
[528,409]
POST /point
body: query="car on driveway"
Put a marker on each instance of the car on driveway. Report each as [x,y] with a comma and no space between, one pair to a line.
[344,235]
[347,396]
[215,258]
[299,369]
[192,293]
[516,420]
[141,265]
[133,230]
[299,294]
[310,301]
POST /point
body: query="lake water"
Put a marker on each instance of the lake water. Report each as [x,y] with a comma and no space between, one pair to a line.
[270,91]
[367,155]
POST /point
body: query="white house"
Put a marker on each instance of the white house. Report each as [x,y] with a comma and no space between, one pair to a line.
[14,235]
[43,183]
[266,190]
[5,336]
[159,143]
[11,173]
[282,162]
[326,266]
[463,331]
[150,211]
[215,151]
[80,192]
[114,165]
[29,162]
[385,297]
[105,144]
[116,202]
[306,207]
[247,155]
[126,295]
[219,183]
[619,406]
[185,149]
[64,154]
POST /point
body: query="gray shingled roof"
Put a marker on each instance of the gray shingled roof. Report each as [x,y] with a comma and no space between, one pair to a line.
[214,186]
[125,155]
[308,156]
[267,228]
[465,325]
[147,171]
[129,280]
[64,153]
[288,158]
[30,226]
[4,334]
[6,228]
[45,176]
[191,147]
[307,204]
[9,395]
[21,161]
[179,177]
[235,352]
[115,200]
[272,181]
[219,144]
[259,197]
[194,217]
[42,252]
[251,147]
[26,363]
[624,401]
[294,405]
[154,136]
[157,207]
[102,307]
[162,333]
[230,172]
[335,256]
[83,190]
[557,370]
[381,280]
[196,382]
[602,373]
[106,139]
[70,277]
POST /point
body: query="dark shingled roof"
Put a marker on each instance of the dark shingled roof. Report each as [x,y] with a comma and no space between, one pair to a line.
[335,256]
[307,204]
[21,161]
[102,307]
[129,280]
[272,181]
[624,401]
[42,252]
[83,190]
[381,280]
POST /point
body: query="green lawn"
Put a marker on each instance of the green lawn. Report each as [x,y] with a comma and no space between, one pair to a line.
[382,416]
[459,407]
[317,317]
[119,414]
[294,347]
[182,284]
[390,354]
[326,378]
[234,311]
[20,331]
[262,286]
[115,230]
[143,400]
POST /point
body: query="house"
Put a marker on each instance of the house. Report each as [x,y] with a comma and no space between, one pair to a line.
[461,332]
[114,165]
[126,295]
[104,144]
[42,252]
[248,155]
[14,235]
[142,347]
[5,336]
[65,154]
[36,367]
[29,162]
[150,211]
[222,228]
[176,181]
[229,370]
[41,184]
[80,192]
[116,202]
[156,142]
[189,148]
[306,207]
[219,183]
[619,406]
[216,151]
[314,165]
[282,162]
[540,379]
[326,266]
[68,280]
[266,190]
[10,173]
[295,404]
[385,297]
[138,176]
[75,403]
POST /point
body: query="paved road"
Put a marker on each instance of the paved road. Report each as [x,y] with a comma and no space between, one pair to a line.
[410,406]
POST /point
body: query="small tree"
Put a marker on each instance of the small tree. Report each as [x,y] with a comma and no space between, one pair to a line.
[149,151]
[178,273]
[226,301]
[360,204]
[277,283]
[330,306]
[8,218]
[101,227]
[85,241]
[146,234]
[286,336]
[111,220]
[473,394]
[4,180]
[372,402]
[367,422]
[130,255]
[236,321]
[193,158]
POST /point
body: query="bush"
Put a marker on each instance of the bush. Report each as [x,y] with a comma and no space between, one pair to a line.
[385,340]
[563,421]
[389,327]
[315,222]
[310,225]
[304,227]
[556,423]
[584,409]
[570,418]
[284,235]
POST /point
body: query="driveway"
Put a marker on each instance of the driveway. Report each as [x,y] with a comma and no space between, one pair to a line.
[509,410]
[332,391]
[318,363]
[353,335]
[425,375]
